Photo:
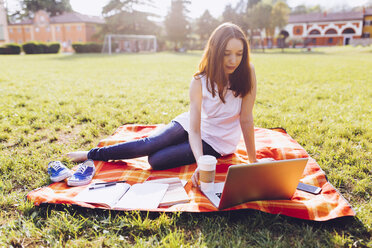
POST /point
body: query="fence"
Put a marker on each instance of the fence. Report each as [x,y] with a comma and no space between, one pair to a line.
[363,42]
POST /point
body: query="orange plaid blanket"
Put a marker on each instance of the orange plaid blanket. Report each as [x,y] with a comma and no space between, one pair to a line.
[275,143]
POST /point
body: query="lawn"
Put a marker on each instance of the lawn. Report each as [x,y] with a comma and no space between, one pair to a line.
[53,104]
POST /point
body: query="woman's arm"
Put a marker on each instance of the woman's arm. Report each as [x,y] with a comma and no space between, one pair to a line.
[194,132]
[246,119]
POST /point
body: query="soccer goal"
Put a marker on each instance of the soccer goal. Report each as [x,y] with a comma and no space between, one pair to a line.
[126,43]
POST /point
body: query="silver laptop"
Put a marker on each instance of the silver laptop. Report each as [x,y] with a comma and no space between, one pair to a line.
[260,181]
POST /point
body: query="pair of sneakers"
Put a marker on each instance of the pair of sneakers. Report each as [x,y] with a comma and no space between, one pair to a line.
[82,176]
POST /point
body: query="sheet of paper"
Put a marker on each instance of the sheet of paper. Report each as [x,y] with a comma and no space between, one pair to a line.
[106,196]
[142,196]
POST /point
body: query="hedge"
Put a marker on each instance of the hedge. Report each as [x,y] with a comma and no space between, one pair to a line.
[90,47]
[10,49]
[40,47]
[53,48]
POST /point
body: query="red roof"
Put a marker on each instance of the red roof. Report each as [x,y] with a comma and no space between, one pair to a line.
[28,21]
[76,17]
[326,17]
[68,17]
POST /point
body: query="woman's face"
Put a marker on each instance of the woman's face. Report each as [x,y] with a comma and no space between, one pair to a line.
[233,55]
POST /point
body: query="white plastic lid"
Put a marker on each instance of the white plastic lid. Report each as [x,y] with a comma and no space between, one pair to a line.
[207,160]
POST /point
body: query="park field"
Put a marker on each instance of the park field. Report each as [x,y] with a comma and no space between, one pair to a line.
[53,104]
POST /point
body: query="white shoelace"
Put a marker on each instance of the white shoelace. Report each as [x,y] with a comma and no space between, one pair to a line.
[82,168]
[56,166]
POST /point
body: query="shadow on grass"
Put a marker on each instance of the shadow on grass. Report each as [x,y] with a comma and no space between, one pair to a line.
[218,228]
[295,52]
[75,56]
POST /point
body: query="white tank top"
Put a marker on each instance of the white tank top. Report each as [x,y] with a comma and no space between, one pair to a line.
[220,125]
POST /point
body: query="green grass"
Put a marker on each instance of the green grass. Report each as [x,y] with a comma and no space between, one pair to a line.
[52,104]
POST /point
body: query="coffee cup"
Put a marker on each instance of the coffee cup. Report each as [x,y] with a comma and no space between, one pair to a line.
[207,172]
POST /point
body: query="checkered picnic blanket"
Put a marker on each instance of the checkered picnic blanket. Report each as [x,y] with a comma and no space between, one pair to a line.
[272,143]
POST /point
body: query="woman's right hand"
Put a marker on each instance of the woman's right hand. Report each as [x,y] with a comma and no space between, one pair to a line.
[263,160]
[195,178]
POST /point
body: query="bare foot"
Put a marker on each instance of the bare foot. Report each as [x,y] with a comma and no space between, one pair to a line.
[78,156]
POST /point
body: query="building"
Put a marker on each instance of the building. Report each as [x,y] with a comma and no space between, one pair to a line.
[65,29]
[320,29]
[325,29]
[367,25]
[4,38]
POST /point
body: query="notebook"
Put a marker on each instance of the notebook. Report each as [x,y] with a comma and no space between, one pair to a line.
[123,196]
[176,193]
[260,181]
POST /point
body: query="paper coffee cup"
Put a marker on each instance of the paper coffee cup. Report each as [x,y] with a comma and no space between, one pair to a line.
[207,172]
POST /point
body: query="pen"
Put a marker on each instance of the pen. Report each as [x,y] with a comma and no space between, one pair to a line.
[123,181]
[102,186]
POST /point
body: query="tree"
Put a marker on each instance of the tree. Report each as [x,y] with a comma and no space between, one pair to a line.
[315,9]
[261,18]
[237,15]
[280,14]
[205,25]
[242,18]
[279,18]
[29,7]
[176,24]
[299,9]
[252,3]
[229,14]
[302,9]
[122,18]
[114,7]
[261,15]
[53,7]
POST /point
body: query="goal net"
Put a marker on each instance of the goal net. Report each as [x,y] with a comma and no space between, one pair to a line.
[125,43]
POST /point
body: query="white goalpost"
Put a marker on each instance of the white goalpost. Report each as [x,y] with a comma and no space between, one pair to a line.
[128,43]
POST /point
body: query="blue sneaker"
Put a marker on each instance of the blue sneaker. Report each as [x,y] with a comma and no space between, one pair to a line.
[58,171]
[83,174]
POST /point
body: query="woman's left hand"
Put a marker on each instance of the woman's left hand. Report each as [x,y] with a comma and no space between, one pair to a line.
[195,178]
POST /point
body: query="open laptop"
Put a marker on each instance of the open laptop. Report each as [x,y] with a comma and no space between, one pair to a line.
[260,181]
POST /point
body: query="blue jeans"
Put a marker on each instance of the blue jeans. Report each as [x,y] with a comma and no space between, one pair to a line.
[166,149]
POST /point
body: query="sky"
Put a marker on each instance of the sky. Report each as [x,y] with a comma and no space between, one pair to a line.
[197,7]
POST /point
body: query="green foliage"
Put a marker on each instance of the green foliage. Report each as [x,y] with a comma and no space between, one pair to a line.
[134,22]
[10,49]
[60,103]
[90,47]
[53,47]
[205,25]
[53,7]
[252,3]
[279,14]
[229,14]
[261,16]
[176,24]
[40,47]
[240,15]
[302,9]
[257,14]
[117,6]
[124,17]
[31,48]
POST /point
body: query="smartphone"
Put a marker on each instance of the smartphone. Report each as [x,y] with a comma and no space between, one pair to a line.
[309,188]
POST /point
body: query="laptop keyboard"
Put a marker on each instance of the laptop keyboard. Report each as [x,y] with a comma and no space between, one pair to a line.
[218,195]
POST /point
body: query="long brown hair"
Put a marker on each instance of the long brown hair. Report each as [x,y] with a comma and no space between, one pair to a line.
[211,64]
